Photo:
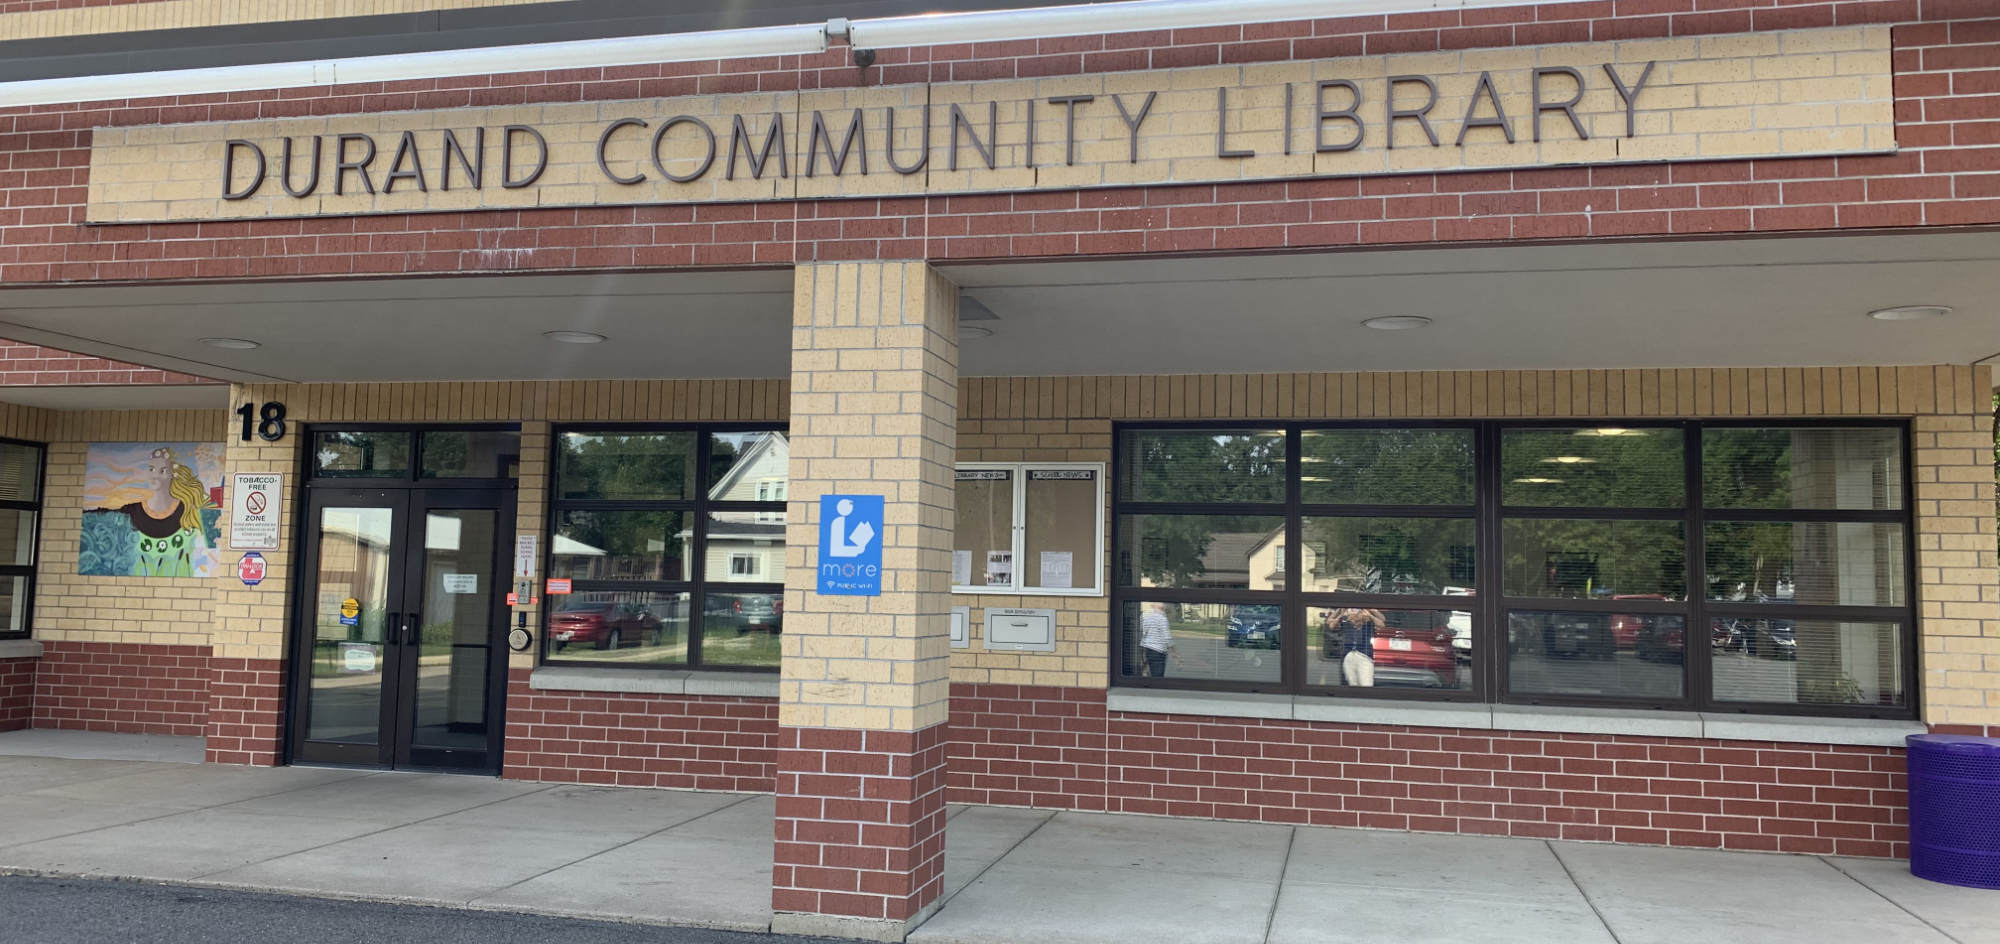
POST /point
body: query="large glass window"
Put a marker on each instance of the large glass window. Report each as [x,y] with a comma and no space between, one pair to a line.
[1669,564]
[673,542]
[20,523]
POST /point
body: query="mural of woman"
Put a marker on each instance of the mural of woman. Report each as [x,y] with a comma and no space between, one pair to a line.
[168,531]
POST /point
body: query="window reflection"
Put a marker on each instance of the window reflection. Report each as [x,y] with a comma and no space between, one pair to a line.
[1366,647]
[620,626]
[1386,466]
[1388,555]
[621,545]
[1593,467]
[626,466]
[1812,467]
[1216,552]
[1807,662]
[1204,641]
[1634,655]
[1203,466]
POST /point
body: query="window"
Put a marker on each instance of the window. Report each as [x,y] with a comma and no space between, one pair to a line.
[1536,563]
[1035,528]
[673,539]
[20,523]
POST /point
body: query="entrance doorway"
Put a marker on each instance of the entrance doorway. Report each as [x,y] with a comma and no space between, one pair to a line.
[399,658]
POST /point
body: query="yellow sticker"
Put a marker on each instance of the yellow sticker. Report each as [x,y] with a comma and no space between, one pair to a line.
[350,608]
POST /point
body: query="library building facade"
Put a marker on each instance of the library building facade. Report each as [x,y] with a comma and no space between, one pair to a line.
[1556,420]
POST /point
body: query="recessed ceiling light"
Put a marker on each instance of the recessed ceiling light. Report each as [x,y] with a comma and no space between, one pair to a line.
[573,337]
[1611,431]
[968,332]
[1909,313]
[234,344]
[1569,460]
[1539,481]
[1397,322]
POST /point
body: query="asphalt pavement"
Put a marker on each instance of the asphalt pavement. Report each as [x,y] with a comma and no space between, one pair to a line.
[88,911]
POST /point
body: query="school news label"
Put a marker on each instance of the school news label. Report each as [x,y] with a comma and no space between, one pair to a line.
[850,545]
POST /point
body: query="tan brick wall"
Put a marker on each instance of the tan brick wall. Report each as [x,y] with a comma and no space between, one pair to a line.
[71,607]
[78,19]
[251,621]
[1789,94]
[1069,419]
[874,404]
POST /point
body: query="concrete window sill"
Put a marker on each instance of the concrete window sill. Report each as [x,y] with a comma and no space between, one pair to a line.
[20,649]
[566,678]
[1680,724]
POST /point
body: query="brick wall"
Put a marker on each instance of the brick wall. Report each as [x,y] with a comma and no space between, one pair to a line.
[1061,748]
[1946,173]
[130,688]
[36,19]
[244,710]
[860,822]
[31,365]
[17,693]
[639,740]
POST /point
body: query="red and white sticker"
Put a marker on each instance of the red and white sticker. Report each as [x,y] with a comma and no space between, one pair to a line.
[557,587]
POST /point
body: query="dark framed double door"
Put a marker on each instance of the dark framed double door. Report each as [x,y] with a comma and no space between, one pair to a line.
[400,655]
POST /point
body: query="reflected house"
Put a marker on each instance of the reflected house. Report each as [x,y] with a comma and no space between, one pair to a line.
[749,546]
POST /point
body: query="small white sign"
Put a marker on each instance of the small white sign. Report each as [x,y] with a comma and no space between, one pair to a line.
[961,568]
[1057,569]
[999,567]
[254,510]
[524,556]
[461,583]
[357,657]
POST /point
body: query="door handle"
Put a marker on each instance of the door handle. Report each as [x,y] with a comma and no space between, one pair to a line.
[410,624]
[393,622]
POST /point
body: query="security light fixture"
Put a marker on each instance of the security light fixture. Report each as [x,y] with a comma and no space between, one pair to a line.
[1909,313]
[573,337]
[968,332]
[1397,322]
[234,344]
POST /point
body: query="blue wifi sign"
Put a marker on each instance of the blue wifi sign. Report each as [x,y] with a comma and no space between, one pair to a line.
[850,545]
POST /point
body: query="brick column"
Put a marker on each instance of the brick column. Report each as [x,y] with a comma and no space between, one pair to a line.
[863,696]
[247,647]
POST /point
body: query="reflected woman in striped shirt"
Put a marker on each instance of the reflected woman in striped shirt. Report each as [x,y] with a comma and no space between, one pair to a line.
[1156,640]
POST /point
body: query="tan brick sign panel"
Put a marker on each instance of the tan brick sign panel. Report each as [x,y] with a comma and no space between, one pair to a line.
[1809,92]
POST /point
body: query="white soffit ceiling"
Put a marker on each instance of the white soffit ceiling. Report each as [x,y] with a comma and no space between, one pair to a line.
[1721,303]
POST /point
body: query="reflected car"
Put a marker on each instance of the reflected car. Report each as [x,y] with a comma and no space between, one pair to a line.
[743,613]
[1253,626]
[1564,635]
[605,625]
[1415,649]
[1662,638]
[1626,628]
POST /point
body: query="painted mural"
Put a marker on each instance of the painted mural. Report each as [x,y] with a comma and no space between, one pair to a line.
[151,510]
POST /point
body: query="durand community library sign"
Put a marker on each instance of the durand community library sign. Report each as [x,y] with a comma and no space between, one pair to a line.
[1800,93]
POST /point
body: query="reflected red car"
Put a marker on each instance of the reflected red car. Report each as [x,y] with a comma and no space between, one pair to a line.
[604,626]
[1415,649]
[1626,628]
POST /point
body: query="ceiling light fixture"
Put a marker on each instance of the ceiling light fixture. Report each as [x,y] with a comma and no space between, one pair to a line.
[968,332]
[1611,431]
[1396,322]
[1569,460]
[234,344]
[1909,313]
[1539,481]
[573,337]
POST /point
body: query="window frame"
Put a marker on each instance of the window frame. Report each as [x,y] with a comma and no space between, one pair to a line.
[37,508]
[1099,586]
[1490,604]
[415,475]
[696,511]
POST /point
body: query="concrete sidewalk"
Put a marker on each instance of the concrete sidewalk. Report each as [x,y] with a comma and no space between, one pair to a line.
[1012,876]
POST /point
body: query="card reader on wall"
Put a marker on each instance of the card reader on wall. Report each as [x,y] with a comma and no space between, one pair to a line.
[1020,630]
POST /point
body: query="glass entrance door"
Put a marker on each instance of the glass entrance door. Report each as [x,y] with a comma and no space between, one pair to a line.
[400,662]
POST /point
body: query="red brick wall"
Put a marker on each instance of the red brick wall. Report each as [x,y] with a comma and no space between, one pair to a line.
[125,687]
[860,822]
[245,711]
[684,742]
[1061,748]
[17,693]
[27,364]
[1947,60]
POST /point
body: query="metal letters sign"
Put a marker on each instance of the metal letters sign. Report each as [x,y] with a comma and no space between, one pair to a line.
[254,515]
[850,545]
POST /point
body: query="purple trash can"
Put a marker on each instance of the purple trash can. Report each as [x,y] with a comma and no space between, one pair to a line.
[1955,809]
